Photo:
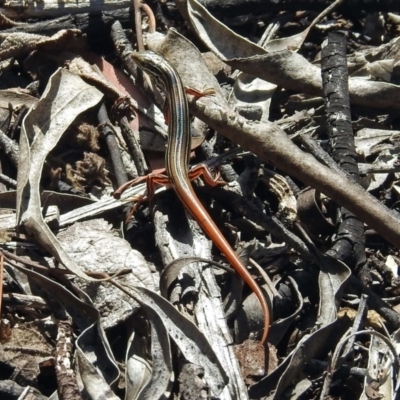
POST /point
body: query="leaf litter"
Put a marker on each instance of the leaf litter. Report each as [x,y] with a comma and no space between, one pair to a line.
[72,253]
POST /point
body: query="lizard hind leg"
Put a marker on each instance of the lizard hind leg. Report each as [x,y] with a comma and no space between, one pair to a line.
[151,180]
[202,170]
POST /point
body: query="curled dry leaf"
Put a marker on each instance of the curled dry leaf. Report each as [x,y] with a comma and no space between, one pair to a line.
[95,385]
[281,326]
[138,368]
[19,44]
[161,378]
[311,213]
[65,97]
[193,345]
[17,98]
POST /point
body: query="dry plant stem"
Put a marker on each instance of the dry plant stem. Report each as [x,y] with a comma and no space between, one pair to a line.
[349,246]
[9,147]
[254,213]
[67,384]
[152,18]
[8,181]
[335,78]
[375,302]
[112,144]
[357,325]
[134,146]
[272,145]
[319,153]
[137,4]
[24,302]
[123,48]
[53,9]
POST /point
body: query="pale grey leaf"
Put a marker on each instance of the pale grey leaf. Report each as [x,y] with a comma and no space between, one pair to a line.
[65,97]
[187,337]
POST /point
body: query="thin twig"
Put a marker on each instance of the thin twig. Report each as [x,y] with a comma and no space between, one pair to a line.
[137,5]
[152,18]
[108,134]
[67,383]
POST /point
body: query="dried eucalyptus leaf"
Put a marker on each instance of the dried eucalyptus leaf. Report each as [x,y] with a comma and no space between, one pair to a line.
[192,343]
[138,367]
[19,44]
[377,70]
[94,384]
[296,41]
[332,277]
[217,36]
[17,97]
[172,271]
[162,371]
[375,61]
[248,90]
[280,67]
[65,97]
[280,327]
[92,344]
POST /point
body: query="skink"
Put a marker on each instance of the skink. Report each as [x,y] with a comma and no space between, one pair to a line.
[177,163]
